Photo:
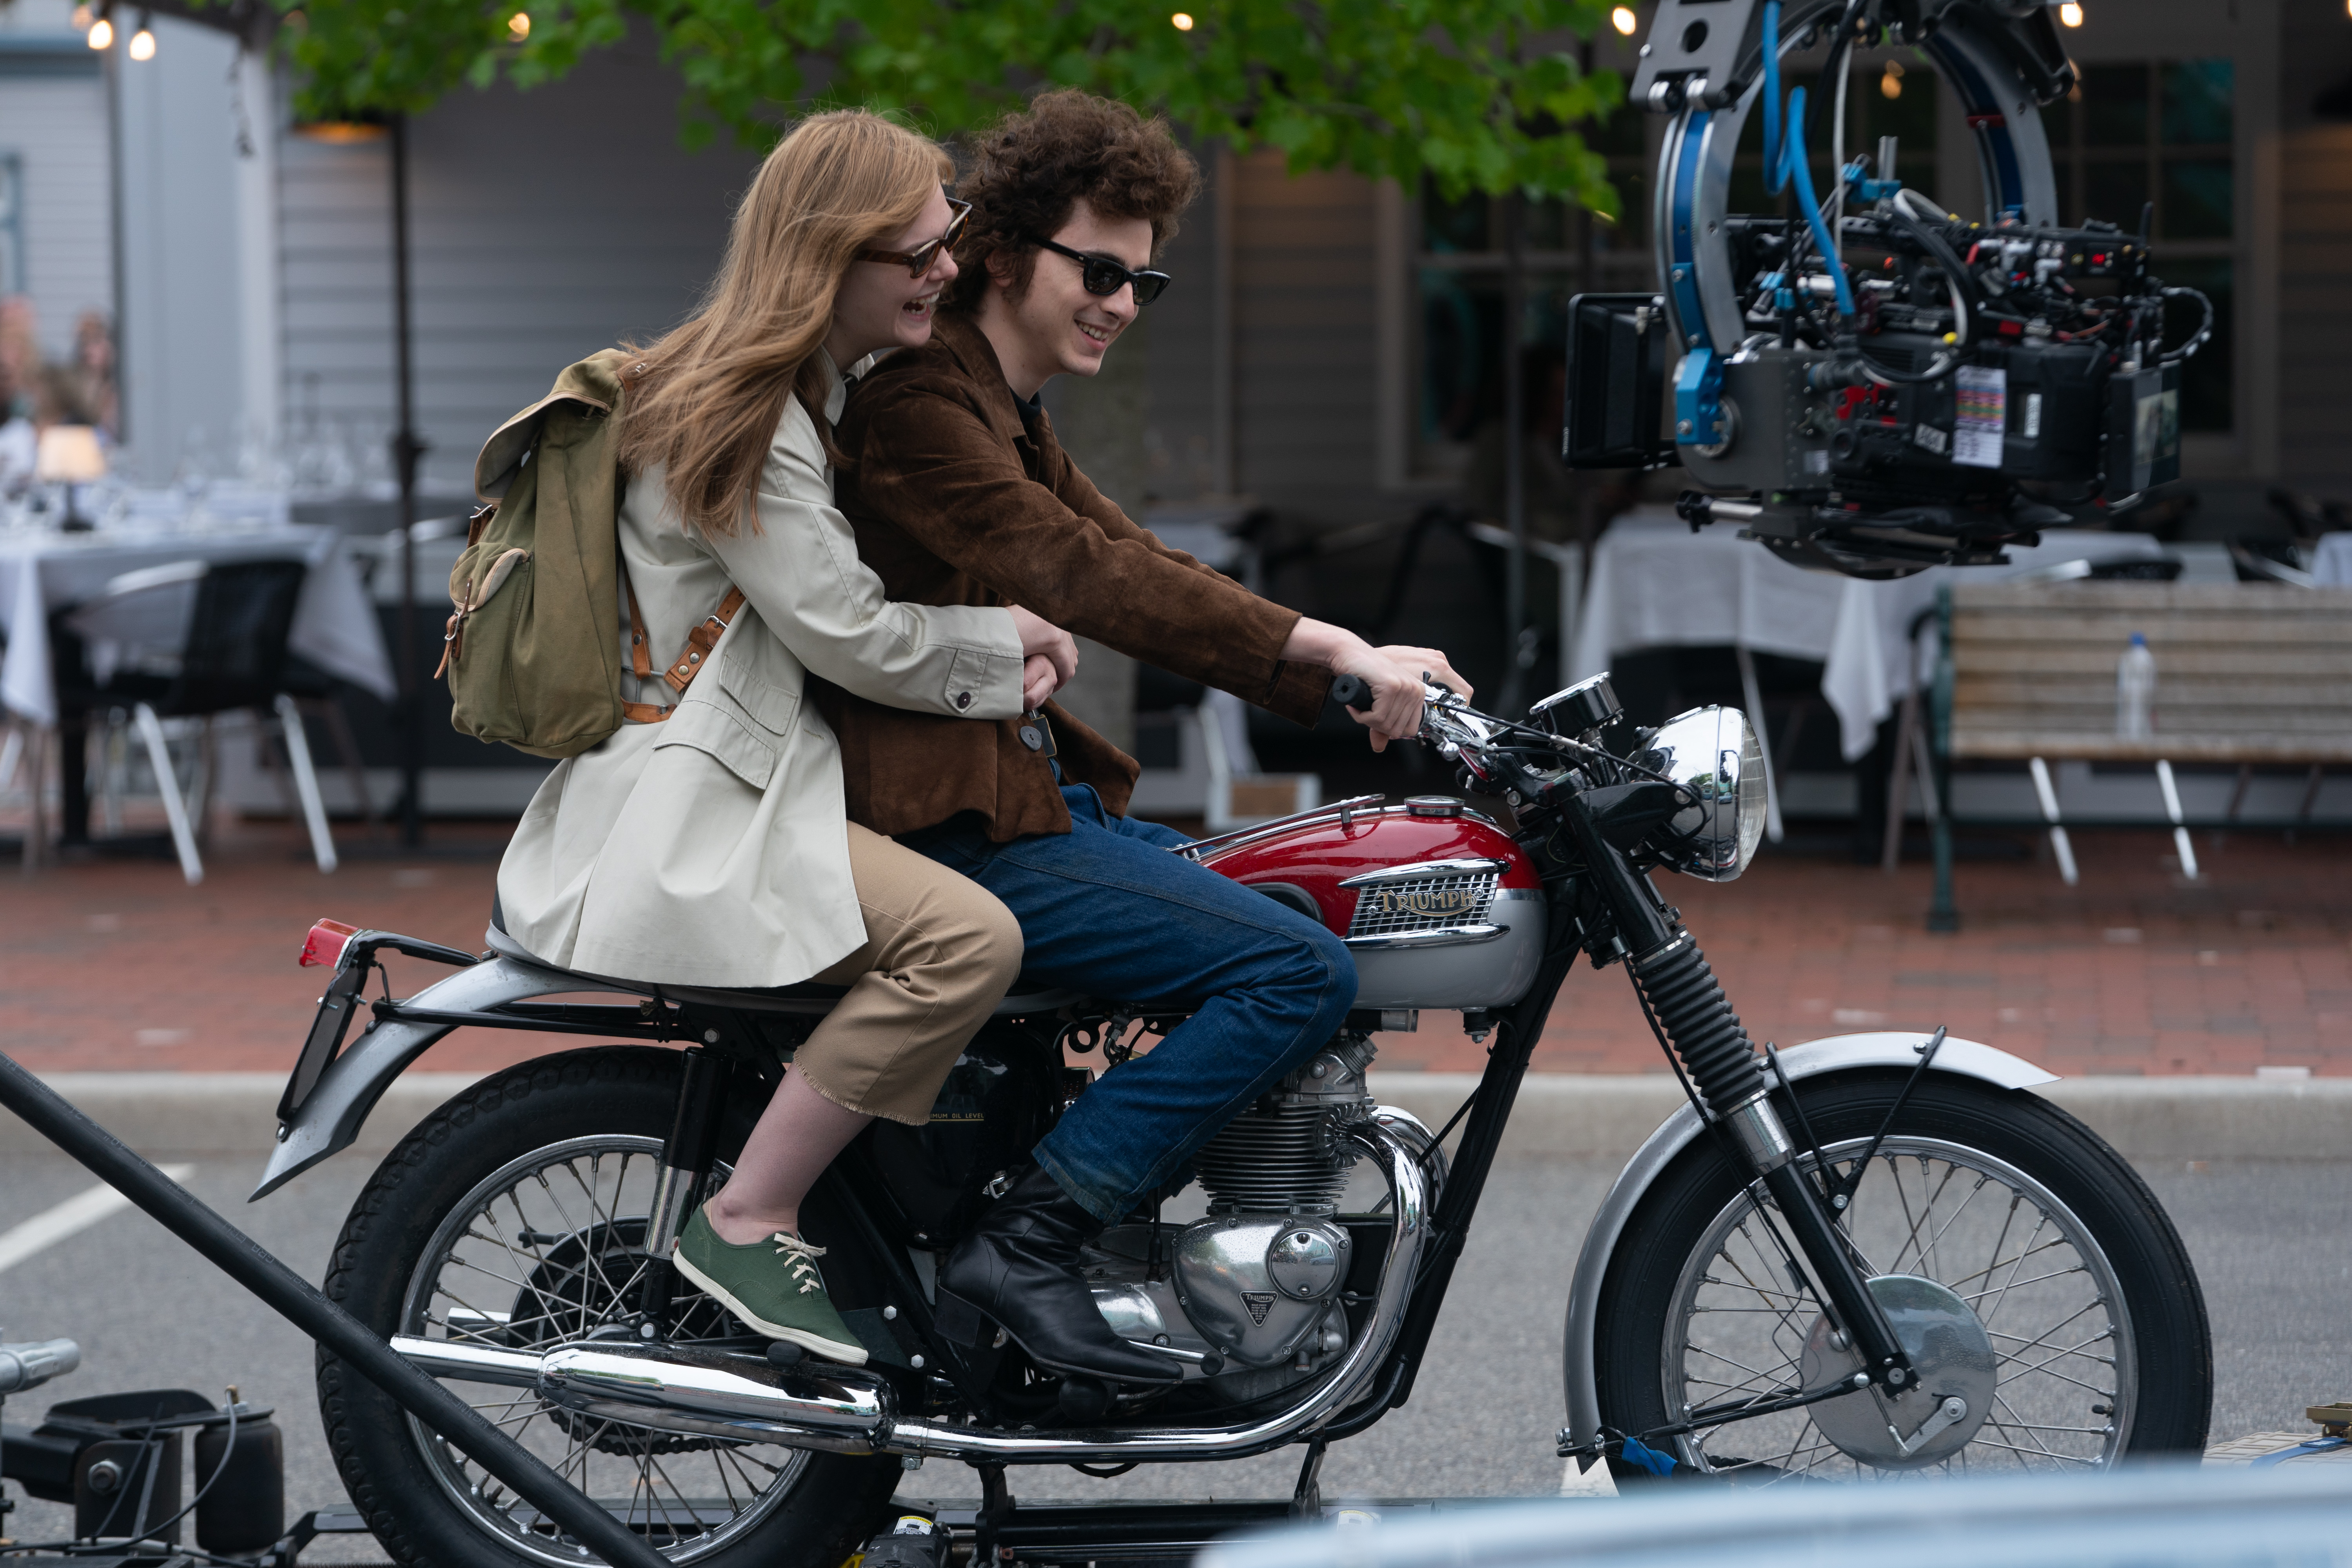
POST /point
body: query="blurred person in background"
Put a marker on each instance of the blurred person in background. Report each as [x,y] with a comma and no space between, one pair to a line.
[82,391]
[20,384]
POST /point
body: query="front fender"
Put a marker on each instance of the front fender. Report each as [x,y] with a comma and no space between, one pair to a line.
[1839,1053]
[339,1103]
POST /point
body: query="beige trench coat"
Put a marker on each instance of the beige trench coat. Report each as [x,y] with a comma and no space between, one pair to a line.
[711,849]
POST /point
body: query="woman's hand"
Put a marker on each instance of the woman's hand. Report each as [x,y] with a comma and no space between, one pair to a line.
[1041,640]
[1430,662]
[1039,680]
[1393,674]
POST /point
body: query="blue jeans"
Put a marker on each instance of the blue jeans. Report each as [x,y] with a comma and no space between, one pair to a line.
[1105,909]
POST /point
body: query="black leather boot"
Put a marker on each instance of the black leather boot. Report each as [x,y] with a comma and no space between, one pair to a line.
[1020,1268]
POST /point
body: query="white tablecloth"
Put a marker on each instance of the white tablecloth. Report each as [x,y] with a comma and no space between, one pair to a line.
[1657,584]
[334,625]
[2331,562]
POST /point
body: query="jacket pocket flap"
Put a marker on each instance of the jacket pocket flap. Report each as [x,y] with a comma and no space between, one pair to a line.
[712,730]
[769,705]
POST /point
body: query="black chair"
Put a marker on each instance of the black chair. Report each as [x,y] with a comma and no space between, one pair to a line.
[231,656]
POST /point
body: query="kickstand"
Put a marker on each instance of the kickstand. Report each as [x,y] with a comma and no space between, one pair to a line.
[1306,1497]
[996,1512]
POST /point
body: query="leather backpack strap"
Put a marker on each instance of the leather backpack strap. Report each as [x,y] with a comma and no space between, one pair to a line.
[701,640]
[690,661]
[641,660]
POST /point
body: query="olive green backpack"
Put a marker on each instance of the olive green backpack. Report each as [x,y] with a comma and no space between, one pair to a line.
[530,651]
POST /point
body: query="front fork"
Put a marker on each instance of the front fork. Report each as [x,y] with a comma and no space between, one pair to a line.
[1694,1022]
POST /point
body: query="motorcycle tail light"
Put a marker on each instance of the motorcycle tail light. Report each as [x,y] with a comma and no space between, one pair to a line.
[325,944]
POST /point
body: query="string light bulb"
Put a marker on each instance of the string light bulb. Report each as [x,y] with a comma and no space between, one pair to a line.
[1891,84]
[80,19]
[142,42]
[519,26]
[1183,21]
[1623,19]
[101,34]
[2071,14]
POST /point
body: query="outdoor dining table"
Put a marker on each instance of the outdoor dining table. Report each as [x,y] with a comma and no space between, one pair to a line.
[334,626]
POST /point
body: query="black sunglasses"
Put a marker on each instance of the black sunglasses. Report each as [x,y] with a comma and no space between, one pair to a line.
[918,261]
[1104,277]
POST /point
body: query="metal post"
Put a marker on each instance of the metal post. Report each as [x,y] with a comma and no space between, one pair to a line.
[285,1292]
[1514,448]
[405,451]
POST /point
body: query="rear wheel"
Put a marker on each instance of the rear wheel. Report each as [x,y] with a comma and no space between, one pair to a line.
[515,1217]
[2033,1239]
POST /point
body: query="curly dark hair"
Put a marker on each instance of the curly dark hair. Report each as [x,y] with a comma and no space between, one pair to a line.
[1031,170]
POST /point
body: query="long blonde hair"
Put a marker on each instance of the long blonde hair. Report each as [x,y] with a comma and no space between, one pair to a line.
[714,388]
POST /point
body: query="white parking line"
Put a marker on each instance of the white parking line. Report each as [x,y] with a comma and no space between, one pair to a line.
[78,1212]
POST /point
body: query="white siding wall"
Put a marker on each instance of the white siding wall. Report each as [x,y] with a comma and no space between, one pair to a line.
[182,334]
[544,226]
[56,129]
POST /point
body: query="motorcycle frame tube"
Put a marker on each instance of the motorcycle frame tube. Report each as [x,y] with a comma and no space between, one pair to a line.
[1815,1058]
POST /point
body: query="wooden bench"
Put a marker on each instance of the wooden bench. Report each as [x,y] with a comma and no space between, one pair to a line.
[2250,675]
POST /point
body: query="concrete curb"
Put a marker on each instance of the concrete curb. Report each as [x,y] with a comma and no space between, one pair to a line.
[1557,1114]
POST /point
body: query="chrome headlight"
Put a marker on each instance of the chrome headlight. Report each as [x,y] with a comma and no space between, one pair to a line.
[1715,756]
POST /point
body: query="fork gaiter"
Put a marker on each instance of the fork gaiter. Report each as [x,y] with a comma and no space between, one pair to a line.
[1698,1019]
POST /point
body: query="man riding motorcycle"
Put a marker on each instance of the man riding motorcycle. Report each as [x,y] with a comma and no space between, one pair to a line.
[961,495]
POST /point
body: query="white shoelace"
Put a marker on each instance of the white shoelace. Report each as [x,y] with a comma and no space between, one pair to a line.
[801,1259]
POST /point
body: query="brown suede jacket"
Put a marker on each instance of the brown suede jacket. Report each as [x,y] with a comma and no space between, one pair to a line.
[956,500]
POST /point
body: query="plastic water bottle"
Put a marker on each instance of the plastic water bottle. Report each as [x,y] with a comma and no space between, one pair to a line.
[2135,691]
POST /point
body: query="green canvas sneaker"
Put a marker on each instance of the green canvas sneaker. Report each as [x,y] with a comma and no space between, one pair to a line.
[773,1285]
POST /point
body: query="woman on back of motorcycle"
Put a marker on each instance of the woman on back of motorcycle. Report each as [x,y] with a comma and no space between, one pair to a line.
[709,847]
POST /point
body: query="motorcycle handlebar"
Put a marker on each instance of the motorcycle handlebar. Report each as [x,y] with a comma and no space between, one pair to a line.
[1352,691]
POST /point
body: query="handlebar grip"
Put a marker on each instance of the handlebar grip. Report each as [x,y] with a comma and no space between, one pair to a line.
[1352,691]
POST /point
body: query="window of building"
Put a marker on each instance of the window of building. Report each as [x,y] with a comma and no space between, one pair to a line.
[12,225]
[1460,257]
[2155,140]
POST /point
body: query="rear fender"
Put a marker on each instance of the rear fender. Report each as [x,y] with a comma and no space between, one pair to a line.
[337,1105]
[1839,1053]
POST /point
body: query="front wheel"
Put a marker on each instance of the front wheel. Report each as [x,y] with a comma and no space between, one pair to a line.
[515,1217]
[2036,1243]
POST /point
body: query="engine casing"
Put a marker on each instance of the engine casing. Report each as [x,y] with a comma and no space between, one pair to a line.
[1440,911]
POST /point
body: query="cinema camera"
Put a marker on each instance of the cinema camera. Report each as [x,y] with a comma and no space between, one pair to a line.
[1869,383]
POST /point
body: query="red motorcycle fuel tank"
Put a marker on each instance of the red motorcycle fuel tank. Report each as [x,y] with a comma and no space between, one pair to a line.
[1439,909]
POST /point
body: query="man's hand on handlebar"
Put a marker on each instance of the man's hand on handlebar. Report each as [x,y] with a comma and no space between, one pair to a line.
[1392,676]
[1049,657]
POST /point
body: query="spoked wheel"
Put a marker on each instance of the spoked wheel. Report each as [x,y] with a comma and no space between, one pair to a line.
[516,1217]
[2042,1292]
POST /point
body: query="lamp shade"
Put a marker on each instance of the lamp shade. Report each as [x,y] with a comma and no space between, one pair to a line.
[70,454]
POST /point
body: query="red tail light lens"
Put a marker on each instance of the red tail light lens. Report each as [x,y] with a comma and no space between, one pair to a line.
[325,944]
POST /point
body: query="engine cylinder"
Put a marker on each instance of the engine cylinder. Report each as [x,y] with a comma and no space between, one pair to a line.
[1285,1151]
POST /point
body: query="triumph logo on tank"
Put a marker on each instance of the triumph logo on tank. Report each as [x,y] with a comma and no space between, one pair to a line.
[1259,1302]
[1431,901]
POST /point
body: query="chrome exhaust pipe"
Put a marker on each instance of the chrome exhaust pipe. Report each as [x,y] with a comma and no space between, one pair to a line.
[683,1388]
[850,1410]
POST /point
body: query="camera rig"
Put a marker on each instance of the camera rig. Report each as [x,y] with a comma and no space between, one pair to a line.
[1868,381]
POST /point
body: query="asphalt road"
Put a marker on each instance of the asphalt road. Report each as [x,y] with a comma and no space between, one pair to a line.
[2266,1237]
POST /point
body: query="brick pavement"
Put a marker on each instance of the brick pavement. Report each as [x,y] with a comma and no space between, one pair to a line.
[116,965]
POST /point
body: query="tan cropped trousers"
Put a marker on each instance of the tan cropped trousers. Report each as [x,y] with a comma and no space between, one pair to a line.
[940,952]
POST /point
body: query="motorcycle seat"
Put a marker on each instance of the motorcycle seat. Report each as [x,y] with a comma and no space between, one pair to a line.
[1027,996]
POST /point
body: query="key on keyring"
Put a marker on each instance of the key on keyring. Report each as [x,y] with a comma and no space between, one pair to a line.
[1036,734]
